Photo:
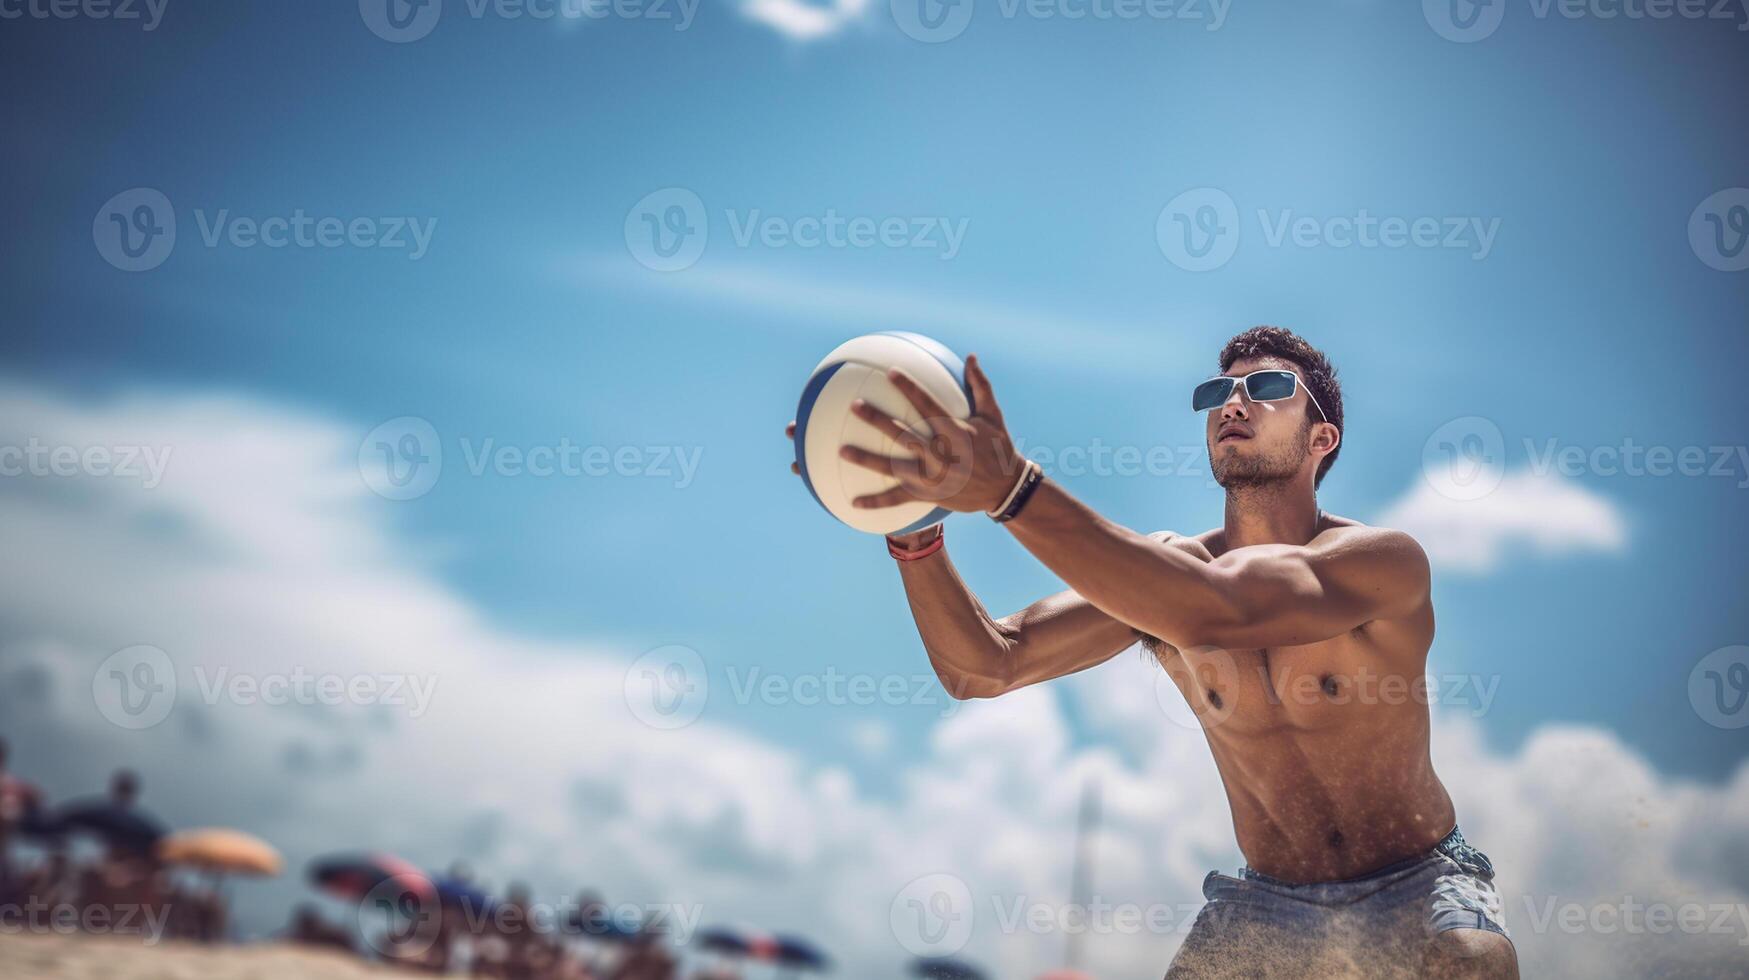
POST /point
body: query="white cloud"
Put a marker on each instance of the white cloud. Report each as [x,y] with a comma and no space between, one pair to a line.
[802,20]
[262,552]
[872,737]
[1545,513]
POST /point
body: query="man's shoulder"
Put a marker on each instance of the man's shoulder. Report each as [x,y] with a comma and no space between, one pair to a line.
[1201,545]
[1338,536]
[1376,561]
[1348,534]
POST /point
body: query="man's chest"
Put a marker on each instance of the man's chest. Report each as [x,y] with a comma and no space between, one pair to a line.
[1306,687]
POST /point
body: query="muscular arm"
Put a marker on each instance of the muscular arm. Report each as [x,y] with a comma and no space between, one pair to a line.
[1257,596]
[977,656]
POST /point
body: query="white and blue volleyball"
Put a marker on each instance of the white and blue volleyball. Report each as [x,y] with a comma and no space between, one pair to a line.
[824,423]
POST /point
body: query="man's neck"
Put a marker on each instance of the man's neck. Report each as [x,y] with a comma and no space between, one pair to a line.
[1274,514]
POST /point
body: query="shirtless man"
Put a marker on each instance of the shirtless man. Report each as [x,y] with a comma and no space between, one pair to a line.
[1298,638]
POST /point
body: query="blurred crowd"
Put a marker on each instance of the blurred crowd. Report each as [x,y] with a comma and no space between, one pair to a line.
[476,935]
[104,864]
[122,888]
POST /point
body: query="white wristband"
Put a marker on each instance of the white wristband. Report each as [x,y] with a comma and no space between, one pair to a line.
[1025,471]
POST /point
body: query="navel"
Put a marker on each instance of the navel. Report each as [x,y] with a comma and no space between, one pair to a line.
[1329,684]
[1336,839]
[1215,699]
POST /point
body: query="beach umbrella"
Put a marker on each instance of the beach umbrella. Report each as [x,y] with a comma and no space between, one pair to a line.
[945,968]
[460,893]
[383,882]
[221,851]
[39,825]
[799,954]
[125,828]
[602,928]
[721,940]
[355,875]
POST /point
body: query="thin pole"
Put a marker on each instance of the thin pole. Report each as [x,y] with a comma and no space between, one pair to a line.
[1081,875]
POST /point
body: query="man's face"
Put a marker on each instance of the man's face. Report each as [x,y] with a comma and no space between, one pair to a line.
[1255,444]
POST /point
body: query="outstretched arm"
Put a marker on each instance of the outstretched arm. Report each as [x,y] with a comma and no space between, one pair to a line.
[979,657]
[1257,596]
[1263,595]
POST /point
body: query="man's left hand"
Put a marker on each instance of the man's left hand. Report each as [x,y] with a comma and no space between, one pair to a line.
[965,464]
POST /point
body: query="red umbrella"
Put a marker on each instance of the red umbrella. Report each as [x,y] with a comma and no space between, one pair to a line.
[355,875]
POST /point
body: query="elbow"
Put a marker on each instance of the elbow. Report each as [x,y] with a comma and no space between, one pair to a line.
[977,689]
[964,685]
[988,677]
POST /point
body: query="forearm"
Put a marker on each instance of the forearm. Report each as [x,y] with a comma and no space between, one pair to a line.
[965,645]
[1147,584]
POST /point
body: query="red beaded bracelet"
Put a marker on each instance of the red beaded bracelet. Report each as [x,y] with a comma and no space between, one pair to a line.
[923,552]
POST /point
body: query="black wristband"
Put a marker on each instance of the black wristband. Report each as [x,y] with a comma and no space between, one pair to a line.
[1035,476]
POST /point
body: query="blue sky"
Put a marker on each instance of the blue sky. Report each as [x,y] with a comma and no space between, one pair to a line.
[1584,143]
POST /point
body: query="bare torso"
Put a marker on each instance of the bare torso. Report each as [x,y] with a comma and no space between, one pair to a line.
[1323,747]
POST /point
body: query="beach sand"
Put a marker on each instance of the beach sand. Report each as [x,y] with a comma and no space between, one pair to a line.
[54,957]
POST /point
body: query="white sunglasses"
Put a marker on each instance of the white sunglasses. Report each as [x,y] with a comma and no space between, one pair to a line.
[1271,385]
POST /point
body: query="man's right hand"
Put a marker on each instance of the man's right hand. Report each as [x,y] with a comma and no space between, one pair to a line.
[908,542]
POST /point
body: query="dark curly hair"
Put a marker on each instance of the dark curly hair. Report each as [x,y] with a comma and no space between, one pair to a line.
[1316,369]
